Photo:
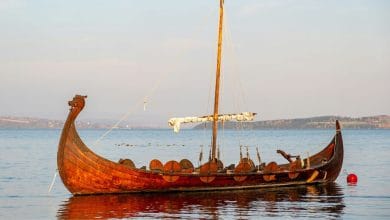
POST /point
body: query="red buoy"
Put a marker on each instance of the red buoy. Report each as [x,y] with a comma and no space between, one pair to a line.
[352,179]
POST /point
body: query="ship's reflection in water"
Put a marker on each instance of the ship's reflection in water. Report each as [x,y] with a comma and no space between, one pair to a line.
[288,202]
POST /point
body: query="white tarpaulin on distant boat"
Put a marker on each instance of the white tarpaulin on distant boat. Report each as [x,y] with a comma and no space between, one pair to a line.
[244,116]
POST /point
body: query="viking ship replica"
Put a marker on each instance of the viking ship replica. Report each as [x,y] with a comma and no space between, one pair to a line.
[84,172]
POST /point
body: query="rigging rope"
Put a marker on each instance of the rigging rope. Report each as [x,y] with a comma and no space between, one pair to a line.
[236,68]
[143,101]
[117,123]
[53,181]
[132,110]
[239,97]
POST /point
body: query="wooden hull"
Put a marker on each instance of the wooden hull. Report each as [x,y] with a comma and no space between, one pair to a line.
[84,172]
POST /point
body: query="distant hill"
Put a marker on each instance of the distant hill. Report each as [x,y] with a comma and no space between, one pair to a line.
[28,122]
[322,122]
[41,123]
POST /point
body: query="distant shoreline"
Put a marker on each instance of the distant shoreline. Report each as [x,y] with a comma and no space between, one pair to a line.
[193,129]
[321,122]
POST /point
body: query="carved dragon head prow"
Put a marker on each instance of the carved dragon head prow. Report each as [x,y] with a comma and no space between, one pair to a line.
[78,102]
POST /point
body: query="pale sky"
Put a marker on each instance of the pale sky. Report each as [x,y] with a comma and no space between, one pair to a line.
[282,59]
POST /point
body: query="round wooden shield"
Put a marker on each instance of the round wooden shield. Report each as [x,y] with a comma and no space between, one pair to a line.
[171,167]
[208,169]
[270,168]
[156,165]
[247,160]
[127,162]
[245,166]
[186,166]
[296,165]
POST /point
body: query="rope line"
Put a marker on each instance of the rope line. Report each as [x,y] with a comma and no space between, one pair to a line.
[238,97]
[116,124]
[53,181]
[152,91]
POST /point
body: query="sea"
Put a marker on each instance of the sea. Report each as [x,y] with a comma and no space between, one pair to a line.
[28,170]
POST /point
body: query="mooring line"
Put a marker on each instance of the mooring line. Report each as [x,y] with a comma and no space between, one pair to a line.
[53,181]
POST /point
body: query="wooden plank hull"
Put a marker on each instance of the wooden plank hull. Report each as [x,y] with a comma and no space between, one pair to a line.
[84,172]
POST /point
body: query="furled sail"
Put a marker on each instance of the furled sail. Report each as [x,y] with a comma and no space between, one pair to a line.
[244,116]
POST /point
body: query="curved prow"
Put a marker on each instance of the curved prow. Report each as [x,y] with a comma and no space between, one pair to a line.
[336,163]
[330,159]
[76,106]
[338,128]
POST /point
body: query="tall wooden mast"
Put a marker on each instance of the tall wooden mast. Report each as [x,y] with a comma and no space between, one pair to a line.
[217,82]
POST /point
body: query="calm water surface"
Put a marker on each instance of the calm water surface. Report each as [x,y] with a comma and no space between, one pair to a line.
[28,164]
